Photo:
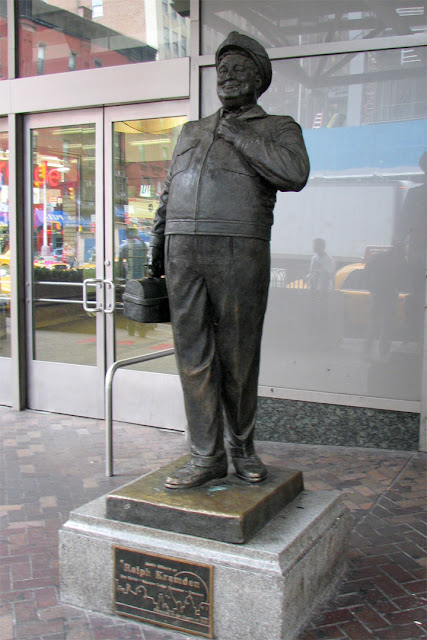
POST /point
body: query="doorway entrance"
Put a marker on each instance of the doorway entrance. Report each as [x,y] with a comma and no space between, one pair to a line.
[93,185]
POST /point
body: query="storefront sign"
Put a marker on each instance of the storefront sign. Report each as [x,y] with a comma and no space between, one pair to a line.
[43,175]
[164,591]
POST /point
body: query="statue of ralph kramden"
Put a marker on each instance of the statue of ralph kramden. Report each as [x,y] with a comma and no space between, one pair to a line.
[211,237]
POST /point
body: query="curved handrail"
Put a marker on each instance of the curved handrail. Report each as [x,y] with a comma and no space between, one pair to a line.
[109,377]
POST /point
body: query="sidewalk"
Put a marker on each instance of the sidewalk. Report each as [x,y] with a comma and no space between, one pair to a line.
[51,463]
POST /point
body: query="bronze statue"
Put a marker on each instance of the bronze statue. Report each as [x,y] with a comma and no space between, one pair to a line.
[211,237]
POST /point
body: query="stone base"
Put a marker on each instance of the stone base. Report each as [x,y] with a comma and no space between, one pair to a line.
[266,589]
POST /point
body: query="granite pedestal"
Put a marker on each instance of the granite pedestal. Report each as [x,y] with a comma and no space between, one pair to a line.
[264,589]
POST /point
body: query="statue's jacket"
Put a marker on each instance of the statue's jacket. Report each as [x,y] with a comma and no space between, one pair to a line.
[217,188]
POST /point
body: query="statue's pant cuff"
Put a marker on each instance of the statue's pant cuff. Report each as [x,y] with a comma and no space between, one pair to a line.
[242,451]
[217,460]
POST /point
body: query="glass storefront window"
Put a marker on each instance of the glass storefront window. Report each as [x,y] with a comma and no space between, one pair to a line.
[346,302]
[63,206]
[65,36]
[280,23]
[4,248]
[142,155]
[3,40]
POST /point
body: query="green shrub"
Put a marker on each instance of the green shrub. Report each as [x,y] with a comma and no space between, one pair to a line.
[43,274]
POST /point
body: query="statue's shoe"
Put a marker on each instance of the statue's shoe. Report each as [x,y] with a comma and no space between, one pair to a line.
[192,476]
[250,469]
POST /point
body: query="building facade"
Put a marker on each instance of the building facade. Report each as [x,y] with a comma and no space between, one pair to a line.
[93,95]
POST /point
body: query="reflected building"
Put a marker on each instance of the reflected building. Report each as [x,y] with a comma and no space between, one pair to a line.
[55,39]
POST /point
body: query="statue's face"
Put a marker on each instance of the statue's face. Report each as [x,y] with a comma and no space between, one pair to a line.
[238,81]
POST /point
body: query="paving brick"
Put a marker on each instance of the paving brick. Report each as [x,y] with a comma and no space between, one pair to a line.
[337,616]
[409,616]
[6,627]
[330,632]
[34,583]
[28,629]
[380,598]
[404,561]
[21,571]
[405,632]
[421,573]
[5,582]
[419,586]
[349,599]
[5,608]
[79,634]
[397,573]
[370,618]
[355,631]
[409,602]
[391,588]
[412,549]
[17,596]
[25,611]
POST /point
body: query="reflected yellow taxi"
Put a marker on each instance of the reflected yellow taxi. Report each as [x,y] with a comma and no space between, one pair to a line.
[351,281]
[5,258]
[51,263]
[352,285]
[4,281]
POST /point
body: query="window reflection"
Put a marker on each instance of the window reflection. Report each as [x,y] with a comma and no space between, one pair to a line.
[364,120]
[296,22]
[65,36]
[142,155]
[63,217]
[4,248]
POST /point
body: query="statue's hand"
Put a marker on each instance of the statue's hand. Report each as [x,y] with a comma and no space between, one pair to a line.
[156,262]
[230,128]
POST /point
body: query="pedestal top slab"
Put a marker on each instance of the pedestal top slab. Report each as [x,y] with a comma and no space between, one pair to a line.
[229,510]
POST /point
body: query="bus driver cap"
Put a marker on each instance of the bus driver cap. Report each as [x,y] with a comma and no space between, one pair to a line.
[253,49]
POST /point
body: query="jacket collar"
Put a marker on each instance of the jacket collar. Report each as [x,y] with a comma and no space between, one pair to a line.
[211,122]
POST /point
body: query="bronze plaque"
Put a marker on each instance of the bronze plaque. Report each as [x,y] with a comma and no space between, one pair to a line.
[165,591]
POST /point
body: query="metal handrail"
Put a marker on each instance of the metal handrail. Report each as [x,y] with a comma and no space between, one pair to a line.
[109,399]
[58,300]
[58,282]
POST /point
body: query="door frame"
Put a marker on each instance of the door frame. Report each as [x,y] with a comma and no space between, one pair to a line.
[56,386]
[140,397]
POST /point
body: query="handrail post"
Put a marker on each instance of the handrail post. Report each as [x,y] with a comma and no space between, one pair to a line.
[109,378]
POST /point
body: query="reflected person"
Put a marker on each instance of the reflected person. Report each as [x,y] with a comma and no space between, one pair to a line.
[320,281]
[132,264]
[322,268]
[132,255]
[383,273]
[211,236]
[411,230]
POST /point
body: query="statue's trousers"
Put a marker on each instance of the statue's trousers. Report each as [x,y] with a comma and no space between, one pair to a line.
[218,289]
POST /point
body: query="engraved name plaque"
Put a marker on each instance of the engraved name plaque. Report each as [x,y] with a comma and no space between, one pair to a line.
[165,591]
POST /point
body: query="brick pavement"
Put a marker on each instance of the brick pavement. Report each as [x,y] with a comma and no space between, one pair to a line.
[51,464]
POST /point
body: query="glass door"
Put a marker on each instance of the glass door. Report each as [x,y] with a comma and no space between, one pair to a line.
[93,185]
[139,142]
[66,291]
[5,342]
